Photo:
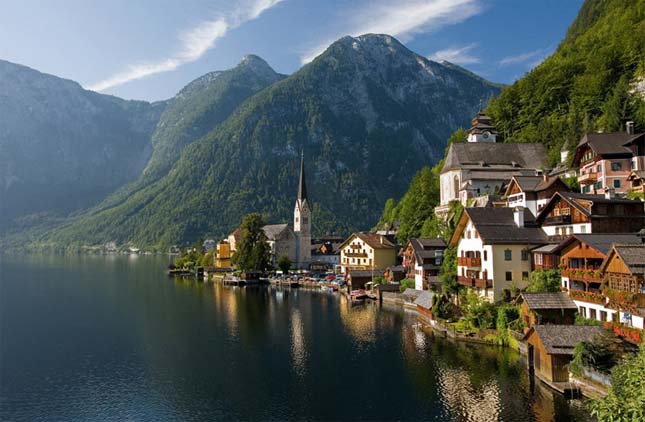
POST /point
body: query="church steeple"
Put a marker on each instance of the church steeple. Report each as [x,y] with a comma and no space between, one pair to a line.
[302,185]
[302,220]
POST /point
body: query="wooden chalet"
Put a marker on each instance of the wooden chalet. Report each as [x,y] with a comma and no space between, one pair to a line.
[624,269]
[636,180]
[545,257]
[533,192]
[548,308]
[569,213]
[550,349]
[422,258]
[581,258]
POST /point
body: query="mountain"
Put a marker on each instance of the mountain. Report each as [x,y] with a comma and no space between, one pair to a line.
[595,80]
[195,111]
[368,113]
[63,147]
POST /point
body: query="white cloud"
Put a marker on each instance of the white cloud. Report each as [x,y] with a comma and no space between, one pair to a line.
[457,55]
[194,44]
[402,19]
[535,56]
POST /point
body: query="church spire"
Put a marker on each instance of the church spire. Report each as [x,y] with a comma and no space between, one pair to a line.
[302,186]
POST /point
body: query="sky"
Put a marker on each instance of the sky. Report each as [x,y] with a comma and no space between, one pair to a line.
[150,49]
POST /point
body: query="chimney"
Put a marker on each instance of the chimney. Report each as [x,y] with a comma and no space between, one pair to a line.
[629,127]
[641,234]
[518,216]
[609,193]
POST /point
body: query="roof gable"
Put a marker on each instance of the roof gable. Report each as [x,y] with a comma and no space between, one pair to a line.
[562,339]
[544,301]
[497,226]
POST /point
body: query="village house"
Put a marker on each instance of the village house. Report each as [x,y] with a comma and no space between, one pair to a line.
[562,169]
[636,181]
[223,255]
[395,273]
[358,279]
[550,349]
[422,259]
[533,192]
[325,252]
[581,258]
[605,160]
[493,249]
[624,270]
[367,251]
[569,213]
[545,257]
[548,308]
[481,166]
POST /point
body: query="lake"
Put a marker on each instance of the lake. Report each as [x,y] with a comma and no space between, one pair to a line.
[113,338]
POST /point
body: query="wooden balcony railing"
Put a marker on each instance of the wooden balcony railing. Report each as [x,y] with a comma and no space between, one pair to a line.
[593,276]
[558,219]
[588,178]
[356,254]
[469,262]
[590,297]
[475,282]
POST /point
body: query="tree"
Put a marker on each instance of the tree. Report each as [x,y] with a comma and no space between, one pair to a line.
[406,283]
[544,281]
[626,398]
[207,259]
[253,251]
[284,263]
[448,274]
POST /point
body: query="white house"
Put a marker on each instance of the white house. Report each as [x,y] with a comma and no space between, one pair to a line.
[493,249]
[481,166]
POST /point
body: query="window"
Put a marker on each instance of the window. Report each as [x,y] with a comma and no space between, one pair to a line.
[583,311]
[586,189]
[485,255]
[509,276]
[583,229]
[525,275]
[525,255]
[603,315]
[597,185]
[616,166]
[616,183]
[538,259]
[468,234]
[508,255]
[598,168]
[592,313]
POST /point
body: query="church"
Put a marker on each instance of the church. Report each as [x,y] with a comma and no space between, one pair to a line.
[284,240]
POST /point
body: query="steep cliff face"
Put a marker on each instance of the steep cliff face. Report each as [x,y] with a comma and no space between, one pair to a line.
[63,147]
[368,113]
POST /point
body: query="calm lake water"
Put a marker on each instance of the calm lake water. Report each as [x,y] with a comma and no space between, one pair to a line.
[112,338]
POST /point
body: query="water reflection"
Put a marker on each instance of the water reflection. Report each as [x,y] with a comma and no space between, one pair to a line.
[298,346]
[112,338]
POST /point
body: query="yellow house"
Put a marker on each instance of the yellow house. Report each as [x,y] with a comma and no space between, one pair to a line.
[367,251]
[223,258]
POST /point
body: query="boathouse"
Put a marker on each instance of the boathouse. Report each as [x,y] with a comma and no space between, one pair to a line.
[548,308]
[550,349]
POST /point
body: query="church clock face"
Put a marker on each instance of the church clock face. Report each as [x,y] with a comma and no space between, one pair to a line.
[486,135]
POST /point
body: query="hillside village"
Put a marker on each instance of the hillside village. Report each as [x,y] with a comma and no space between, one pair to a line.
[517,221]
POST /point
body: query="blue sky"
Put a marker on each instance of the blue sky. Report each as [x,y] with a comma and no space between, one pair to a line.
[150,49]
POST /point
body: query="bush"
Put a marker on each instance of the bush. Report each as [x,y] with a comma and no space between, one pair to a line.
[545,281]
[479,312]
[406,283]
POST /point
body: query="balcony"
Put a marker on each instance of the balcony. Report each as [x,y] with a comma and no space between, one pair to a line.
[469,262]
[557,219]
[355,254]
[624,299]
[588,276]
[588,178]
[590,297]
[475,282]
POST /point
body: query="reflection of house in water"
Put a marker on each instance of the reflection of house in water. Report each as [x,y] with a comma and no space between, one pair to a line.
[298,345]
[470,403]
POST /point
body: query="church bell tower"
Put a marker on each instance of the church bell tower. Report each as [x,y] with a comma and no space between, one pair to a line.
[302,220]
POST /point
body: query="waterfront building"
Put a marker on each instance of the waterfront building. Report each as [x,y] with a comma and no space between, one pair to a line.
[548,308]
[367,251]
[581,261]
[223,255]
[482,166]
[422,259]
[550,349]
[493,249]
[569,213]
[325,252]
[605,160]
[395,273]
[533,192]
[624,270]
